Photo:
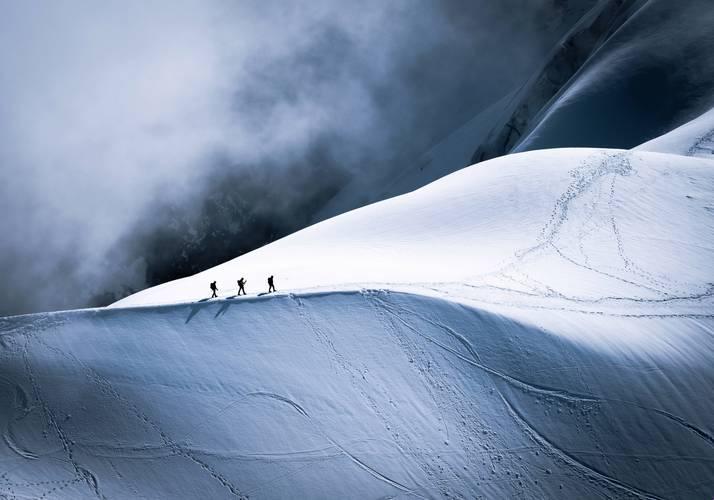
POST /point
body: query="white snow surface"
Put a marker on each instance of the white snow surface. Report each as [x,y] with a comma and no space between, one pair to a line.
[536,326]
[694,138]
[582,222]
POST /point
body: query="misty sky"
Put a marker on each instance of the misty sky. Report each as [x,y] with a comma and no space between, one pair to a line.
[119,119]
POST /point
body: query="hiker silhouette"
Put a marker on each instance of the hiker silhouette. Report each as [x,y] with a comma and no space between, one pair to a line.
[271,286]
[241,285]
[214,288]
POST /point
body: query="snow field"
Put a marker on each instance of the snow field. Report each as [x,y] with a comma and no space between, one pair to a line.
[633,225]
[353,394]
[537,326]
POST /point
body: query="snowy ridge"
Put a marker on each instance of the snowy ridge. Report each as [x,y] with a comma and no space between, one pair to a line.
[536,326]
[694,138]
[528,223]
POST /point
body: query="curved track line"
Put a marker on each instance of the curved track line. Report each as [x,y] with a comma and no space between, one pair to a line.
[571,460]
[515,382]
[375,473]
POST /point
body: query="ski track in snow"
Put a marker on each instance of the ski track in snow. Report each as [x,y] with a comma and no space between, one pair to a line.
[357,461]
[593,177]
[398,315]
[585,180]
[703,147]
[20,405]
[108,389]
[360,383]
[566,457]
[81,473]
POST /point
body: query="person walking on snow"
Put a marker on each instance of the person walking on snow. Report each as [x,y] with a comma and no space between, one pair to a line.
[214,289]
[241,285]
[271,286]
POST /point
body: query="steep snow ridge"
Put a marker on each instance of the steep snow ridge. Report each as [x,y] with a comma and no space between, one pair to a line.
[694,138]
[536,326]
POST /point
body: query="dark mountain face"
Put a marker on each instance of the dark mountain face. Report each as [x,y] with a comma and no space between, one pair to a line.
[652,74]
[629,71]
[566,59]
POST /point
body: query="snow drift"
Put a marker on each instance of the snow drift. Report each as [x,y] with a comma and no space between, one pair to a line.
[536,326]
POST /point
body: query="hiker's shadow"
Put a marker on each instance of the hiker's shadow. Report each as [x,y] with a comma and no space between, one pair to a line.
[224,307]
[200,305]
[195,308]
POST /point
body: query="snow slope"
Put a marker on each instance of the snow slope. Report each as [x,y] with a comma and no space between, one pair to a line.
[694,138]
[536,326]
[542,217]
[364,394]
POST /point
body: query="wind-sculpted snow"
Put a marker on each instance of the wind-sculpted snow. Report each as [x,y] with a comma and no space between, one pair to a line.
[532,101]
[536,326]
[366,394]
[647,76]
